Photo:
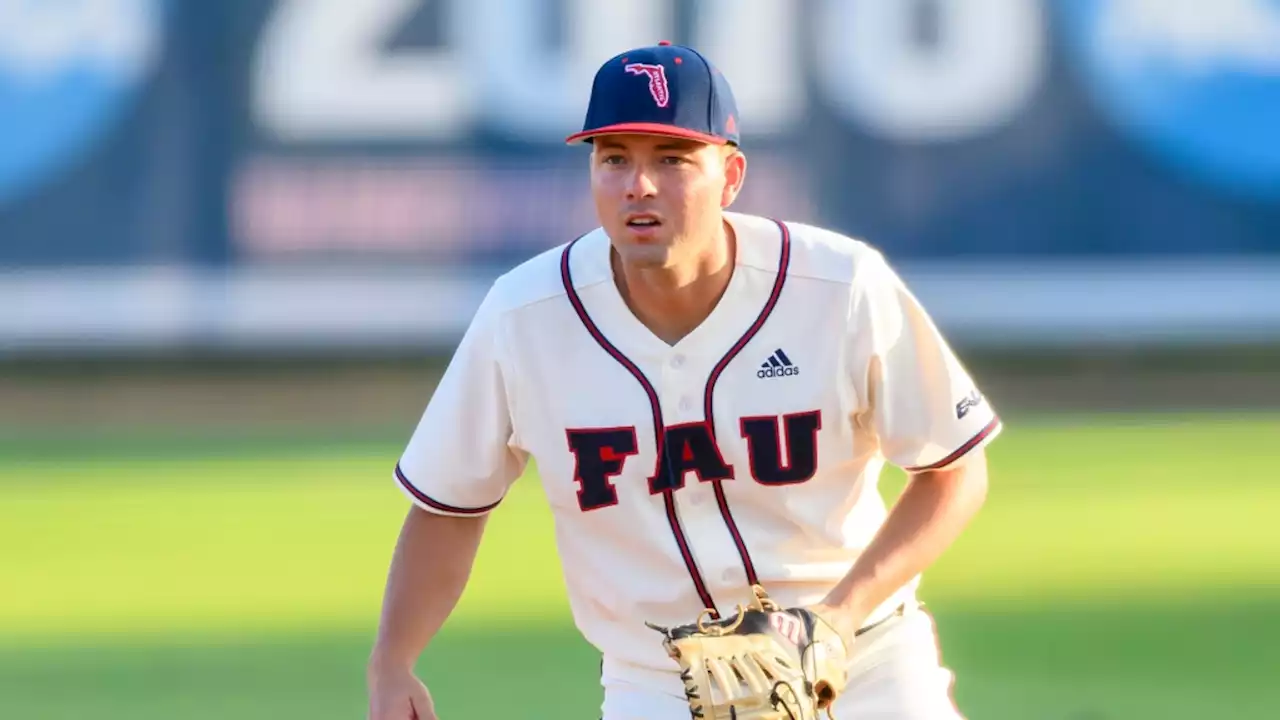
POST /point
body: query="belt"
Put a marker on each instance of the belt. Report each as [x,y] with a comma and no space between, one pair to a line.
[898,612]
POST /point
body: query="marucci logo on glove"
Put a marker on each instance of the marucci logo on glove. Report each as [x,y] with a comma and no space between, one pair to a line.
[786,625]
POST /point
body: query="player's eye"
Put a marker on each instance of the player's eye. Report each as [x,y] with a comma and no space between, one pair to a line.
[611,159]
[673,159]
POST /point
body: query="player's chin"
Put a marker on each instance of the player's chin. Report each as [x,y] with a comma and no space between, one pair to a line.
[646,255]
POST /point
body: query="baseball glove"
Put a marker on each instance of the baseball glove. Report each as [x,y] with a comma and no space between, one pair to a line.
[764,663]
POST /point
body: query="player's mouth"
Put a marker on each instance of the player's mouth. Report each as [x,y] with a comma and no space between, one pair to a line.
[643,224]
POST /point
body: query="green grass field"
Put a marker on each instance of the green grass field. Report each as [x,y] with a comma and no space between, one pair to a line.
[1124,567]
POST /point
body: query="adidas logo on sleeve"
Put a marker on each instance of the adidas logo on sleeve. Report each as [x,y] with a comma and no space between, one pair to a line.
[778,365]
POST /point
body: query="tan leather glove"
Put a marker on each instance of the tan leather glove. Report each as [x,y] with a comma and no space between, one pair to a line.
[763,663]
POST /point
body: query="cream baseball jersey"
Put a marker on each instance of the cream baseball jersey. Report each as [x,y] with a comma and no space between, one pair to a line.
[678,475]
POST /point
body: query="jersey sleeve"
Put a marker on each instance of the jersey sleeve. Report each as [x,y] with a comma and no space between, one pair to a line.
[920,402]
[463,457]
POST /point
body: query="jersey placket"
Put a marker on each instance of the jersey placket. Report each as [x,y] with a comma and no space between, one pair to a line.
[687,396]
[681,390]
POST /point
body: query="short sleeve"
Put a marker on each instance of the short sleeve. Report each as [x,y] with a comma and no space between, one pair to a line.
[921,403]
[462,457]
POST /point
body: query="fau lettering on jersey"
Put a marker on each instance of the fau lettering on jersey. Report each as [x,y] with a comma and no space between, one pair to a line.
[688,447]
[599,454]
[764,447]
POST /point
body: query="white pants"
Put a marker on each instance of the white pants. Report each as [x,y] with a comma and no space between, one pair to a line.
[895,674]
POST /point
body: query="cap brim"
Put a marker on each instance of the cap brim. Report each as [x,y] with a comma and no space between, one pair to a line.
[646,129]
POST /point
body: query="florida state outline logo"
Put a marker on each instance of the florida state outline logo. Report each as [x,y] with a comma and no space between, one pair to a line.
[657,81]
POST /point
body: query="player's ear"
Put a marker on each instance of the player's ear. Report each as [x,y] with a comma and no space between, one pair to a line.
[735,173]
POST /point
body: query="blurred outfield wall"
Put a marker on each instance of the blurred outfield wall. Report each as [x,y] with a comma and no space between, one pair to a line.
[306,176]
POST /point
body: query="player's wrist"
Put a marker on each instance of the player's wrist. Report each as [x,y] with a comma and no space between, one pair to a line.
[849,599]
[387,663]
[843,620]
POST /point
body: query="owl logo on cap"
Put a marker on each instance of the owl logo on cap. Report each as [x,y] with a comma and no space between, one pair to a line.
[657,81]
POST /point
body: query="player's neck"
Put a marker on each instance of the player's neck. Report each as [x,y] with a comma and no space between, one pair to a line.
[673,301]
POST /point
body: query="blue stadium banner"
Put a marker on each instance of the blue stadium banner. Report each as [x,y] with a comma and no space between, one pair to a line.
[255,132]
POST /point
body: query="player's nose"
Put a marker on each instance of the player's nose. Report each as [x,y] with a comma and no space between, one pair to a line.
[640,184]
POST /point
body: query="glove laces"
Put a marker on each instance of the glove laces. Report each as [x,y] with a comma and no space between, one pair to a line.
[760,601]
[784,697]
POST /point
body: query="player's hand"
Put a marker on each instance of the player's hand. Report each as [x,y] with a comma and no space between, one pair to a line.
[399,695]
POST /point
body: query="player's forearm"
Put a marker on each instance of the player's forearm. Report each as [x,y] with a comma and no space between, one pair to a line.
[429,569]
[930,514]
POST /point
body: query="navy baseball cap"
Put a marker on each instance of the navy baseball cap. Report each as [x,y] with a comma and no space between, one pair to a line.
[663,89]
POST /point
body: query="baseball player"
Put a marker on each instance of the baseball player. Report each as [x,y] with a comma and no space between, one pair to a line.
[709,397]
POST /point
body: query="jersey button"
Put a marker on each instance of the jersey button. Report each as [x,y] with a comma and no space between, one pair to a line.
[677,361]
[686,403]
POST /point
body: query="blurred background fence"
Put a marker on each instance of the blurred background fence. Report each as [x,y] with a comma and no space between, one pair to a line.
[254,215]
